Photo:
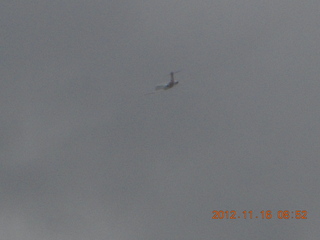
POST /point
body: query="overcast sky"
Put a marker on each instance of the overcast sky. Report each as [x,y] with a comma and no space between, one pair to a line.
[85,154]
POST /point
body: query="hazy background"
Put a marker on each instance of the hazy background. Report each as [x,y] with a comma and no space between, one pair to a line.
[85,154]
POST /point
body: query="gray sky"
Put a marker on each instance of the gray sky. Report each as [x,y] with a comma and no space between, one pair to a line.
[85,154]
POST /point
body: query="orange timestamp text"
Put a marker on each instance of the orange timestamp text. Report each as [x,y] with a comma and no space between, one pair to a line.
[268,214]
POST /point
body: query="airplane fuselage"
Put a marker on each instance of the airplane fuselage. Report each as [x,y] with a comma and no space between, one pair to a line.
[170,85]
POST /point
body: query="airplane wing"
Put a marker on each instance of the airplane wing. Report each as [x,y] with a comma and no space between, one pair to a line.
[159,87]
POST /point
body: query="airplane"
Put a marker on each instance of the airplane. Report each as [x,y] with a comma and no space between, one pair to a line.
[170,84]
[167,86]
